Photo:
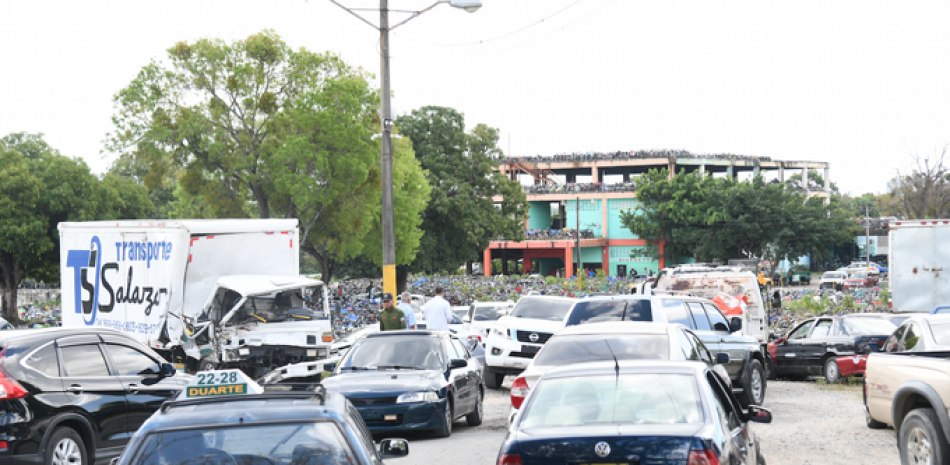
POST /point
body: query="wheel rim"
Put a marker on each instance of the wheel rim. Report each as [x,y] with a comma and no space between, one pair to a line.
[918,447]
[448,417]
[67,452]
[831,370]
[756,386]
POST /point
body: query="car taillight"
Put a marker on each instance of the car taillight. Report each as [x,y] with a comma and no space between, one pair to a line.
[9,388]
[509,459]
[519,390]
[702,457]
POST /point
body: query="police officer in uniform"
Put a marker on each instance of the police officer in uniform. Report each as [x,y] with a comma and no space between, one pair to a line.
[391,318]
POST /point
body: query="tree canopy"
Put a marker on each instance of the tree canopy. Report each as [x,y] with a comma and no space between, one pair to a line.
[256,129]
[721,218]
[39,188]
[461,216]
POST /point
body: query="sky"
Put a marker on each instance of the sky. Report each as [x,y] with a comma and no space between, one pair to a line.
[864,85]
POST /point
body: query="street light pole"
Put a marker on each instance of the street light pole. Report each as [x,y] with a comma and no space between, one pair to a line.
[389,233]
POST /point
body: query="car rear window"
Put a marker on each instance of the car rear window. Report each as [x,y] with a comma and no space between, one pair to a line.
[624,399]
[44,360]
[570,350]
[542,309]
[941,333]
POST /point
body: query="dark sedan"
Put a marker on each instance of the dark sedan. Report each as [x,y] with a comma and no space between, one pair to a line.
[815,345]
[411,380]
[656,412]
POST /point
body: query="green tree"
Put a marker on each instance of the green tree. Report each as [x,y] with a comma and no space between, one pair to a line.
[814,180]
[256,129]
[39,188]
[720,218]
[462,216]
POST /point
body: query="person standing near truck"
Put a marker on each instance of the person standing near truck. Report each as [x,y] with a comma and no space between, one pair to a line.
[391,318]
[438,312]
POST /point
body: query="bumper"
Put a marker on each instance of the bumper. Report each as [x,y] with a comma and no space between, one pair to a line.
[505,355]
[298,370]
[408,417]
[851,365]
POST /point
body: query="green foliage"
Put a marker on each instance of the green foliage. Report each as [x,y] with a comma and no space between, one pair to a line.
[721,218]
[461,217]
[256,129]
[39,188]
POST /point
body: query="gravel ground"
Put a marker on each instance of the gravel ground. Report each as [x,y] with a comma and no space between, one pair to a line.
[817,424]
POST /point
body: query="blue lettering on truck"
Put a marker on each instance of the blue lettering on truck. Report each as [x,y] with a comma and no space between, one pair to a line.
[85,261]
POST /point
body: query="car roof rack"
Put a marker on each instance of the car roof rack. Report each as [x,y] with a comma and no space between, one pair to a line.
[274,391]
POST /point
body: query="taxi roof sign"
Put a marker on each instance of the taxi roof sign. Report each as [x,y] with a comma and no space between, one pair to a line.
[219,383]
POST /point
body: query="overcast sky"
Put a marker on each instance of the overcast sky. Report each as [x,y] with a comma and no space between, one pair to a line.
[863,85]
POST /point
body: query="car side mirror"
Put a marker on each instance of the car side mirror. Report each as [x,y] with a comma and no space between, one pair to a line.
[735,324]
[329,366]
[393,448]
[168,370]
[722,358]
[759,414]
[458,363]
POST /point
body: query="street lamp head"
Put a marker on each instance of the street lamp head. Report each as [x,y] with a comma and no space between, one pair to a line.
[470,6]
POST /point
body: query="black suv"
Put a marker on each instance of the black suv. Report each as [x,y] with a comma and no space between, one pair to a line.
[72,394]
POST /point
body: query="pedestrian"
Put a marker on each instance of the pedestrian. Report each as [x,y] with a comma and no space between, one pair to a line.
[406,307]
[438,312]
[391,318]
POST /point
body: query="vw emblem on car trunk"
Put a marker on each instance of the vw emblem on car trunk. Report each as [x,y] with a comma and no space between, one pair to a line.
[533,337]
[602,449]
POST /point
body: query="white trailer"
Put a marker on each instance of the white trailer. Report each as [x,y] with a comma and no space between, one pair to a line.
[919,268]
[204,293]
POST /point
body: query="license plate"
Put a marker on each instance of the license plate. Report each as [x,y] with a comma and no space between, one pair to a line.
[530,349]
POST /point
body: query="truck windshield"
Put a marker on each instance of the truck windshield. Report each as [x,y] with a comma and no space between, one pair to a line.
[542,309]
[287,305]
[258,444]
[489,312]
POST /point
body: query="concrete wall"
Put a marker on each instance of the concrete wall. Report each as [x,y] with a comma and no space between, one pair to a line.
[591,214]
[621,256]
[616,229]
[540,215]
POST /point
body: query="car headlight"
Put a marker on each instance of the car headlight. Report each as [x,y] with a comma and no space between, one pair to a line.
[410,397]
[501,331]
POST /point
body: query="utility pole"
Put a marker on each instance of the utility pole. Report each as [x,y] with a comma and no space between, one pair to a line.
[389,240]
[867,239]
[577,234]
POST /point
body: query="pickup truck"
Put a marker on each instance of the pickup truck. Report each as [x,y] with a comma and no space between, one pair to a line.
[910,391]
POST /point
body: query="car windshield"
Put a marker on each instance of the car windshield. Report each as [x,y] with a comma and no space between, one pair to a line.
[862,326]
[941,332]
[629,398]
[488,312]
[278,444]
[593,311]
[832,276]
[570,350]
[542,309]
[859,276]
[394,352]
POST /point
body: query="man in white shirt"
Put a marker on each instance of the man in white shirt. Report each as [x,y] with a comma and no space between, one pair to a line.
[438,312]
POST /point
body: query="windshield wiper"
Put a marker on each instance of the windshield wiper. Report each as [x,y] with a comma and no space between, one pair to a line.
[356,368]
[400,367]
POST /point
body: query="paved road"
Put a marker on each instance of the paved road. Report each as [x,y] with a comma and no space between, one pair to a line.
[811,426]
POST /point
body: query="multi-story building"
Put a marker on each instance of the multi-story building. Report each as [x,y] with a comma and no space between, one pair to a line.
[600,186]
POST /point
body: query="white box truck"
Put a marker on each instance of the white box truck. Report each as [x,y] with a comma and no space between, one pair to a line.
[919,268]
[204,293]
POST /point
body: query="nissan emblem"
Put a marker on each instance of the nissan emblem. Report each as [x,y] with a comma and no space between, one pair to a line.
[533,337]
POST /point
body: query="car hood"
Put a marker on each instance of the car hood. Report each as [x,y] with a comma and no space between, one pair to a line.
[531,324]
[384,383]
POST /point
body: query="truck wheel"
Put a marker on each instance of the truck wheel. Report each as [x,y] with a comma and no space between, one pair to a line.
[493,379]
[921,438]
[872,423]
[754,384]
[65,447]
[832,373]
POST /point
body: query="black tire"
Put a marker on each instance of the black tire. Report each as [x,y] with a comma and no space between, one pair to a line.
[870,422]
[830,371]
[446,429]
[771,371]
[754,385]
[493,379]
[475,418]
[759,460]
[922,428]
[65,447]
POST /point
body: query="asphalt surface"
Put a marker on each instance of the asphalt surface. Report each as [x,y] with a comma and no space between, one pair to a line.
[811,425]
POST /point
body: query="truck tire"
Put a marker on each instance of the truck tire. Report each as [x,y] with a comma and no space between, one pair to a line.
[831,371]
[921,439]
[65,447]
[754,385]
[870,422]
[493,379]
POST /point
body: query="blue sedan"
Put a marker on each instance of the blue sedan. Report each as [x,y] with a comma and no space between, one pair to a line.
[656,412]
